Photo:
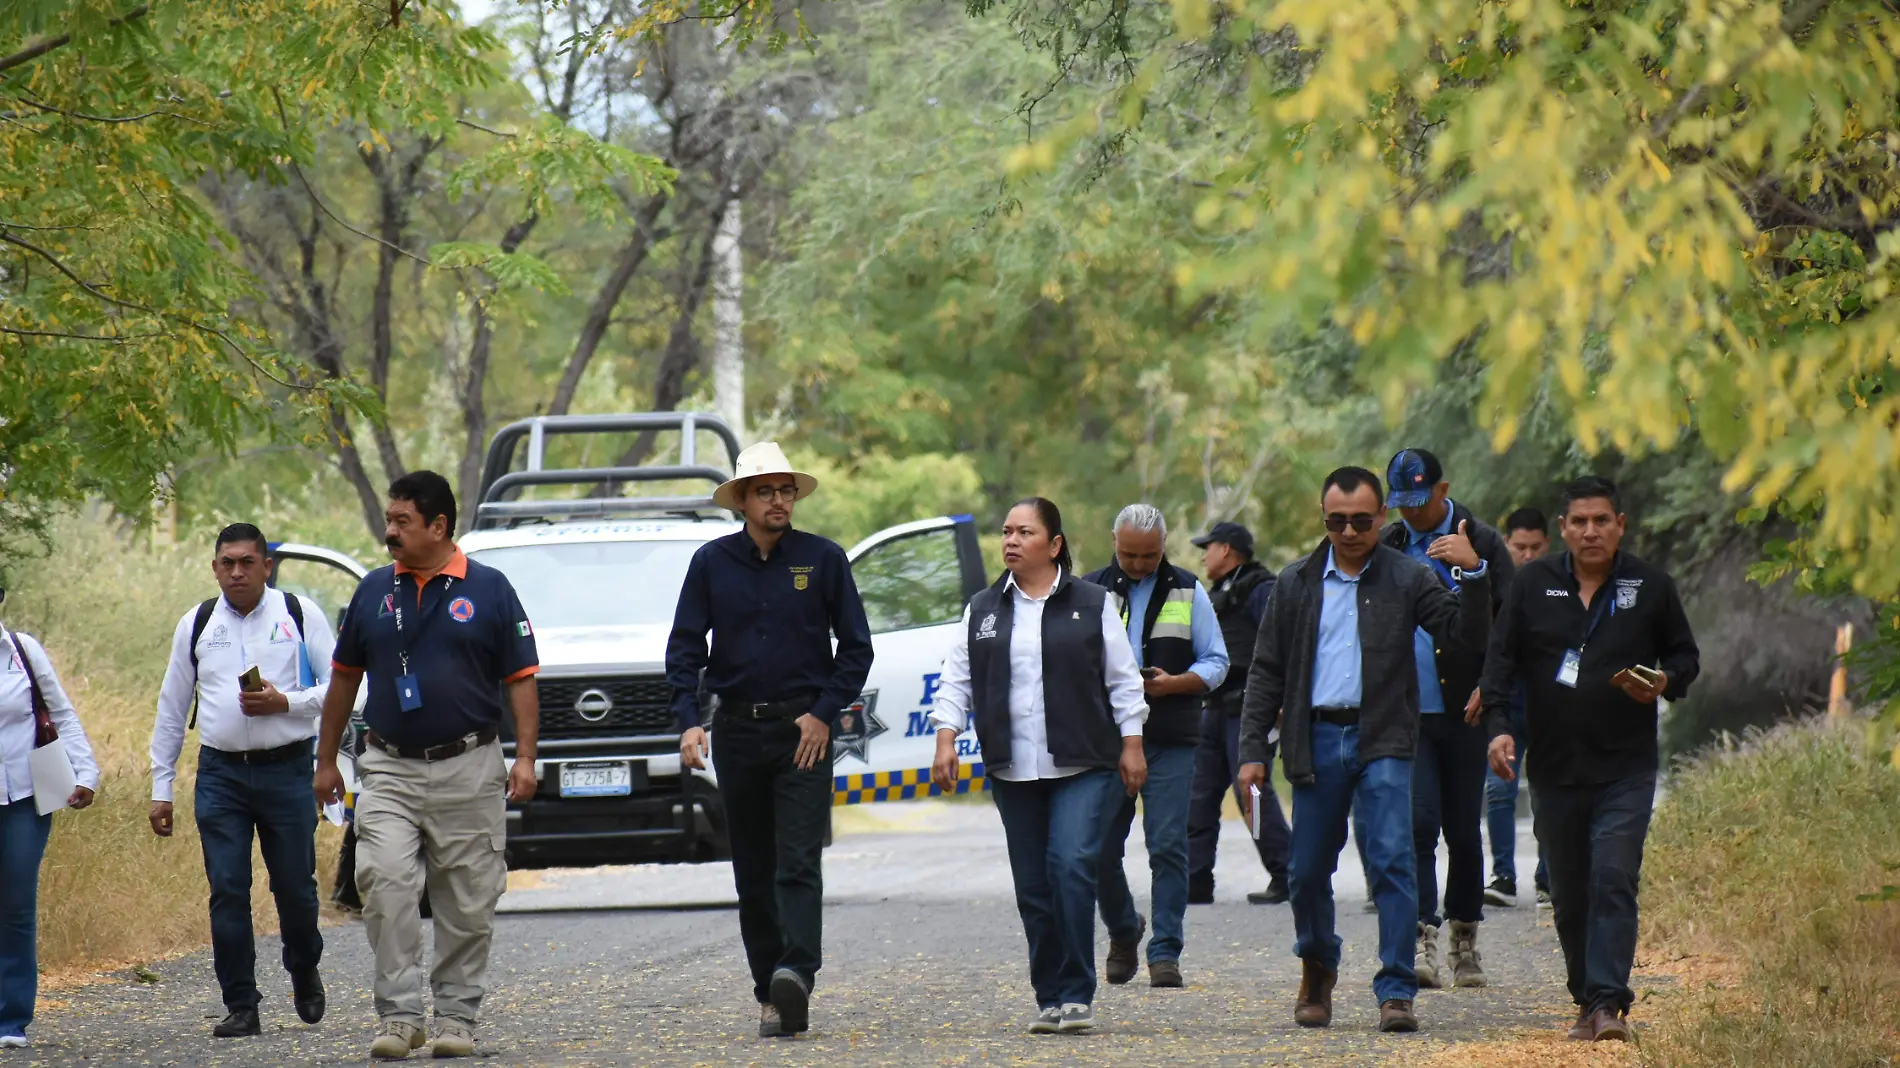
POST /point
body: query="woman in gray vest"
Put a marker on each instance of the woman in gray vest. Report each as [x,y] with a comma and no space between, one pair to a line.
[1045,671]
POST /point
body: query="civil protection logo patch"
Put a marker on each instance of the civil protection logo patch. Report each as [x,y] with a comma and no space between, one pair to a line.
[461,610]
[800,582]
[1625,598]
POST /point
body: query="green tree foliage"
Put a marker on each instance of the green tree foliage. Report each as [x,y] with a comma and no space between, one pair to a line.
[928,305]
[123,349]
[1670,216]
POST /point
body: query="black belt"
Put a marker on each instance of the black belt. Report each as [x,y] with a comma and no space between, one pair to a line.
[790,708]
[1340,717]
[435,752]
[279,755]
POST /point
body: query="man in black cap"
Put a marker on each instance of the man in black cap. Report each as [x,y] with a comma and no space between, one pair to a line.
[1239,587]
[1448,772]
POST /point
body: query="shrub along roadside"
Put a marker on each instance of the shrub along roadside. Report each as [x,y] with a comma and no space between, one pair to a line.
[1756,859]
[112,893]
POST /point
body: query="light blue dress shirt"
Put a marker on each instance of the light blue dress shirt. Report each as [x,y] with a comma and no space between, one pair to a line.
[1424,647]
[1210,649]
[1337,680]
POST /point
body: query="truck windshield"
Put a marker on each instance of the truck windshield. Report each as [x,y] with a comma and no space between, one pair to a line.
[595,584]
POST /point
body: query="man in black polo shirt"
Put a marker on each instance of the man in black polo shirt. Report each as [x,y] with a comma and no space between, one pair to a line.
[773,599]
[1597,636]
[442,639]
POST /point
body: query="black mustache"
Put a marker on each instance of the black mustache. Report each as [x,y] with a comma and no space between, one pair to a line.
[393,542]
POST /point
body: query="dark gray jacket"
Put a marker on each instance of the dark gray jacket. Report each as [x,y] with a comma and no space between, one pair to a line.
[1397,596]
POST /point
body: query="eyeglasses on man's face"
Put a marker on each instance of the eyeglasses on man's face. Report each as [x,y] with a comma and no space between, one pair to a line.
[1359,521]
[766,493]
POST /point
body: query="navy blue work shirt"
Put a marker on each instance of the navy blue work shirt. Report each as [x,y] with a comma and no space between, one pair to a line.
[466,634]
[772,621]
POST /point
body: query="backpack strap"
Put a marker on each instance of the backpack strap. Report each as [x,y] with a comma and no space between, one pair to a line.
[43,730]
[294,605]
[198,624]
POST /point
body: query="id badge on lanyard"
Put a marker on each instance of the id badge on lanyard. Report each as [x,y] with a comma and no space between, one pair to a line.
[408,687]
[1572,664]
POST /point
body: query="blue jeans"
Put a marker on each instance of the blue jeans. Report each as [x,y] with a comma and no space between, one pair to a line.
[1164,815]
[1501,815]
[1594,835]
[1054,828]
[23,834]
[273,801]
[1378,797]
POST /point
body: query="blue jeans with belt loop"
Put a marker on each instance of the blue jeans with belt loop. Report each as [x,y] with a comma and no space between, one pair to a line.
[23,833]
[272,804]
[1378,797]
[1054,828]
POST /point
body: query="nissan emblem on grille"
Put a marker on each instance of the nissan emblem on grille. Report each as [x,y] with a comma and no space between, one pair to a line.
[593,705]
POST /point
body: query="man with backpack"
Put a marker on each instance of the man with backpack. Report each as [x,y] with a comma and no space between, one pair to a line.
[249,670]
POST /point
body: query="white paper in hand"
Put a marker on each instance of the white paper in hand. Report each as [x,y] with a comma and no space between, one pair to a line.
[333,811]
[1253,819]
[53,779]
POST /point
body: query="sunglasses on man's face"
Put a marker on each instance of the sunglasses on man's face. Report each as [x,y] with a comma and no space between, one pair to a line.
[1359,521]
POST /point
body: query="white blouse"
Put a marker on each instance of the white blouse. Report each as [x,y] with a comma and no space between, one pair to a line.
[1028,720]
[16,719]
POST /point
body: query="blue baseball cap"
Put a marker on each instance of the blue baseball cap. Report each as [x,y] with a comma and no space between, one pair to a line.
[1411,476]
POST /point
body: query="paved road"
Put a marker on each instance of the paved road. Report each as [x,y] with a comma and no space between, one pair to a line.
[925,965]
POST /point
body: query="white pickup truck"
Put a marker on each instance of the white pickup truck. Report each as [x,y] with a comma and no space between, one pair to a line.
[600,575]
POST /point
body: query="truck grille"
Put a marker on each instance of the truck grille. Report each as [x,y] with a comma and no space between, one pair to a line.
[639,706]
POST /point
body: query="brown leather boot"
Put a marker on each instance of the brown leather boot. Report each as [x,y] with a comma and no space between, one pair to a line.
[1583,1030]
[1608,1025]
[1395,1014]
[1315,1007]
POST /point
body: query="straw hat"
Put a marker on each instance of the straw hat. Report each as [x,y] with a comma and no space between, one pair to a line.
[765,458]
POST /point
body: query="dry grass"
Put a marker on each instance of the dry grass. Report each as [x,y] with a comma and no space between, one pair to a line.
[1755,951]
[1753,868]
[112,893]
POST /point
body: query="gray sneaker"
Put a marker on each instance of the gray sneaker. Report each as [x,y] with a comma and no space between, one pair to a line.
[1426,962]
[1047,1022]
[1076,1018]
[768,1021]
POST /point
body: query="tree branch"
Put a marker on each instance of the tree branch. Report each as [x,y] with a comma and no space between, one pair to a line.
[181,320]
[33,52]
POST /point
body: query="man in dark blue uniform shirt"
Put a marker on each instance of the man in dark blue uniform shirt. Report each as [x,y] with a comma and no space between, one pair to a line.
[773,599]
[443,639]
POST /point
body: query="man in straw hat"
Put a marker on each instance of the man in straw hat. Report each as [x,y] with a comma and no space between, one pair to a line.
[773,598]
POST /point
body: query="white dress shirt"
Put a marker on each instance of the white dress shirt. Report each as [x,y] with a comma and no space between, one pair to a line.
[16,719]
[1028,721]
[230,644]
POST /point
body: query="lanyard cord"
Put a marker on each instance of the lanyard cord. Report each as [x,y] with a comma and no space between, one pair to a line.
[402,650]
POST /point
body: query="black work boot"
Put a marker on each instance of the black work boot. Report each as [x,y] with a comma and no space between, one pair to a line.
[242,1023]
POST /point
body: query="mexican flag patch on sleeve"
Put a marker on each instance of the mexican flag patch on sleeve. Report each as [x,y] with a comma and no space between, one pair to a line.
[523,629]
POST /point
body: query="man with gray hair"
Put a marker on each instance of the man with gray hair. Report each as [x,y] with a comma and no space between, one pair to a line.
[1178,646]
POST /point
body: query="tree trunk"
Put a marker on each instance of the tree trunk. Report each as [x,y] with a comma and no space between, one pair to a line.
[600,314]
[474,405]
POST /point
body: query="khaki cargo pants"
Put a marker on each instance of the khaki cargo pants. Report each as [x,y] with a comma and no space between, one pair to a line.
[443,821]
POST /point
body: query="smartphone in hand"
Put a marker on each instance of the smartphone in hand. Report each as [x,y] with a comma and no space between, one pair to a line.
[251,681]
[1151,673]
